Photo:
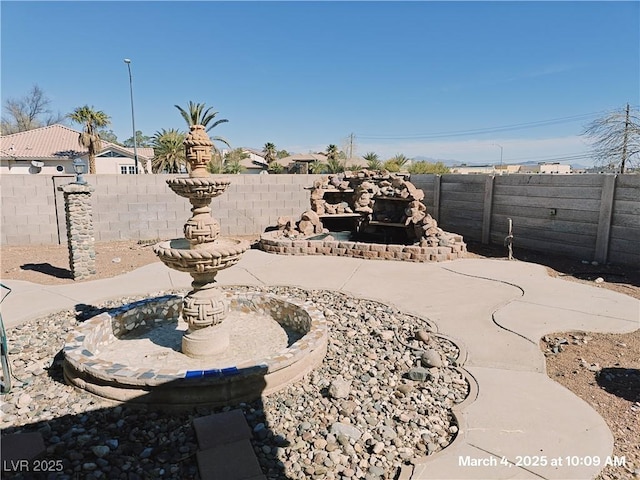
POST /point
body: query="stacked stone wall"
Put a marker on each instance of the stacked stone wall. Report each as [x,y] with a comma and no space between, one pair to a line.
[80,235]
[271,243]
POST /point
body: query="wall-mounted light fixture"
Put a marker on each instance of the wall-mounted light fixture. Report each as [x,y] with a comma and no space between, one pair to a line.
[80,168]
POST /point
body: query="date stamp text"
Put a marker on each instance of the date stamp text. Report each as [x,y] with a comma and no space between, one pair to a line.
[526,461]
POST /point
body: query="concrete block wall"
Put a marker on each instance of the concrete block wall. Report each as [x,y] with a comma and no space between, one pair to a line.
[624,239]
[147,209]
[461,205]
[549,213]
[591,217]
[27,206]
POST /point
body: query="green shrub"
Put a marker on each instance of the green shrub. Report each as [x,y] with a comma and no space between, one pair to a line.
[417,168]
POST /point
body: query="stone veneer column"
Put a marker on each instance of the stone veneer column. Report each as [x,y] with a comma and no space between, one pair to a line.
[80,239]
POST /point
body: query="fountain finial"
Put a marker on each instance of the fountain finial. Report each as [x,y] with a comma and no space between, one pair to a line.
[198,148]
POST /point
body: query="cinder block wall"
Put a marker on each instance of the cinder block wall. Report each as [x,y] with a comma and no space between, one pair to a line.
[28,210]
[148,209]
[591,217]
[143,207]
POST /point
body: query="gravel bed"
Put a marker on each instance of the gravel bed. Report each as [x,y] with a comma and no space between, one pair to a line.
[380,398]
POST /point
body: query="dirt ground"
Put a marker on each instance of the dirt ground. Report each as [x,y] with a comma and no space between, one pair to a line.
[602,369]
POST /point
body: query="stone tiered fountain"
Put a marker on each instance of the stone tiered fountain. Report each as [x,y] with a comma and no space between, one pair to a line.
[212,347]
[201,253]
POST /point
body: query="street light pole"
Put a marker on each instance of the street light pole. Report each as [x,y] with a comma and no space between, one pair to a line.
[133,117]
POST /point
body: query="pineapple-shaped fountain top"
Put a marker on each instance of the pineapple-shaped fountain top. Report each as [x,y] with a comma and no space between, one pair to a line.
[202,252]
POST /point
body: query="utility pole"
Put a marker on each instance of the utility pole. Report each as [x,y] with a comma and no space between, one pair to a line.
[625,139]
[351,142]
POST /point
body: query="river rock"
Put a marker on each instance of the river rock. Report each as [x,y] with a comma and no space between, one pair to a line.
[339,388]
[423,336]
[431,358]
[344,429]
[419,374]
[100,450]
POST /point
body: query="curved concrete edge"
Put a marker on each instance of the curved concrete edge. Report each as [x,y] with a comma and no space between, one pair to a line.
[512,432]
[458,413]
[552,422]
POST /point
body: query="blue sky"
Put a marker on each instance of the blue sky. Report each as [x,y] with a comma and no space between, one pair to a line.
[403,77]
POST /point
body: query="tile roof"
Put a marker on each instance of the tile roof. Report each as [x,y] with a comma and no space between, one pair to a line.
[53,142]
[312,157]
[251,164]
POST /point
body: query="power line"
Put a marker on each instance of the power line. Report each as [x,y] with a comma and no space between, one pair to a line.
[481,131]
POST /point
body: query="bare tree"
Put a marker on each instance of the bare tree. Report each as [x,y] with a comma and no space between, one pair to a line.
[616,139]
[29,112]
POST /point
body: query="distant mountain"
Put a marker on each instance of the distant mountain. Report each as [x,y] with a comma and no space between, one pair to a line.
[457,163]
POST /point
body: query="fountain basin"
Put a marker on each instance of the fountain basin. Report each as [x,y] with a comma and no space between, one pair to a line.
[101,357]
[208,257]
[336,245]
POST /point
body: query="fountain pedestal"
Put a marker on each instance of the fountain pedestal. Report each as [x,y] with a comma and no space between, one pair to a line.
[205,309]
[201,253]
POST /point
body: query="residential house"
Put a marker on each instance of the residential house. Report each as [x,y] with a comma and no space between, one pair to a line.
[301,162]
[544,168]
[555,168]
[473,169]
[506,169]
[51,150]
[255,161]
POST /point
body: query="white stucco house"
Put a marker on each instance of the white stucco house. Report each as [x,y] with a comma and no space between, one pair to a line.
[543,168]
[51,150]
[474,169]
[254,163]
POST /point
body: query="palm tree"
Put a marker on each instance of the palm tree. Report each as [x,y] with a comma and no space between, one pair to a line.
[373,162]
[216,165]
[91,120]
[233,166]
[316,167]
[195,114]
[332,152]
[169,154]
[270,152]
[399,159]
[275,167]
[232,161]
[334,165]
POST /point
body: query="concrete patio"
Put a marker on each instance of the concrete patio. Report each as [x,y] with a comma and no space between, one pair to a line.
[495,309]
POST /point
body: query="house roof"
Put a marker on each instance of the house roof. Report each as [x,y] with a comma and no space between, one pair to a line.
[312,157]
[255,151]
[55,142]
[251,164]
[306,157]
[301,157]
